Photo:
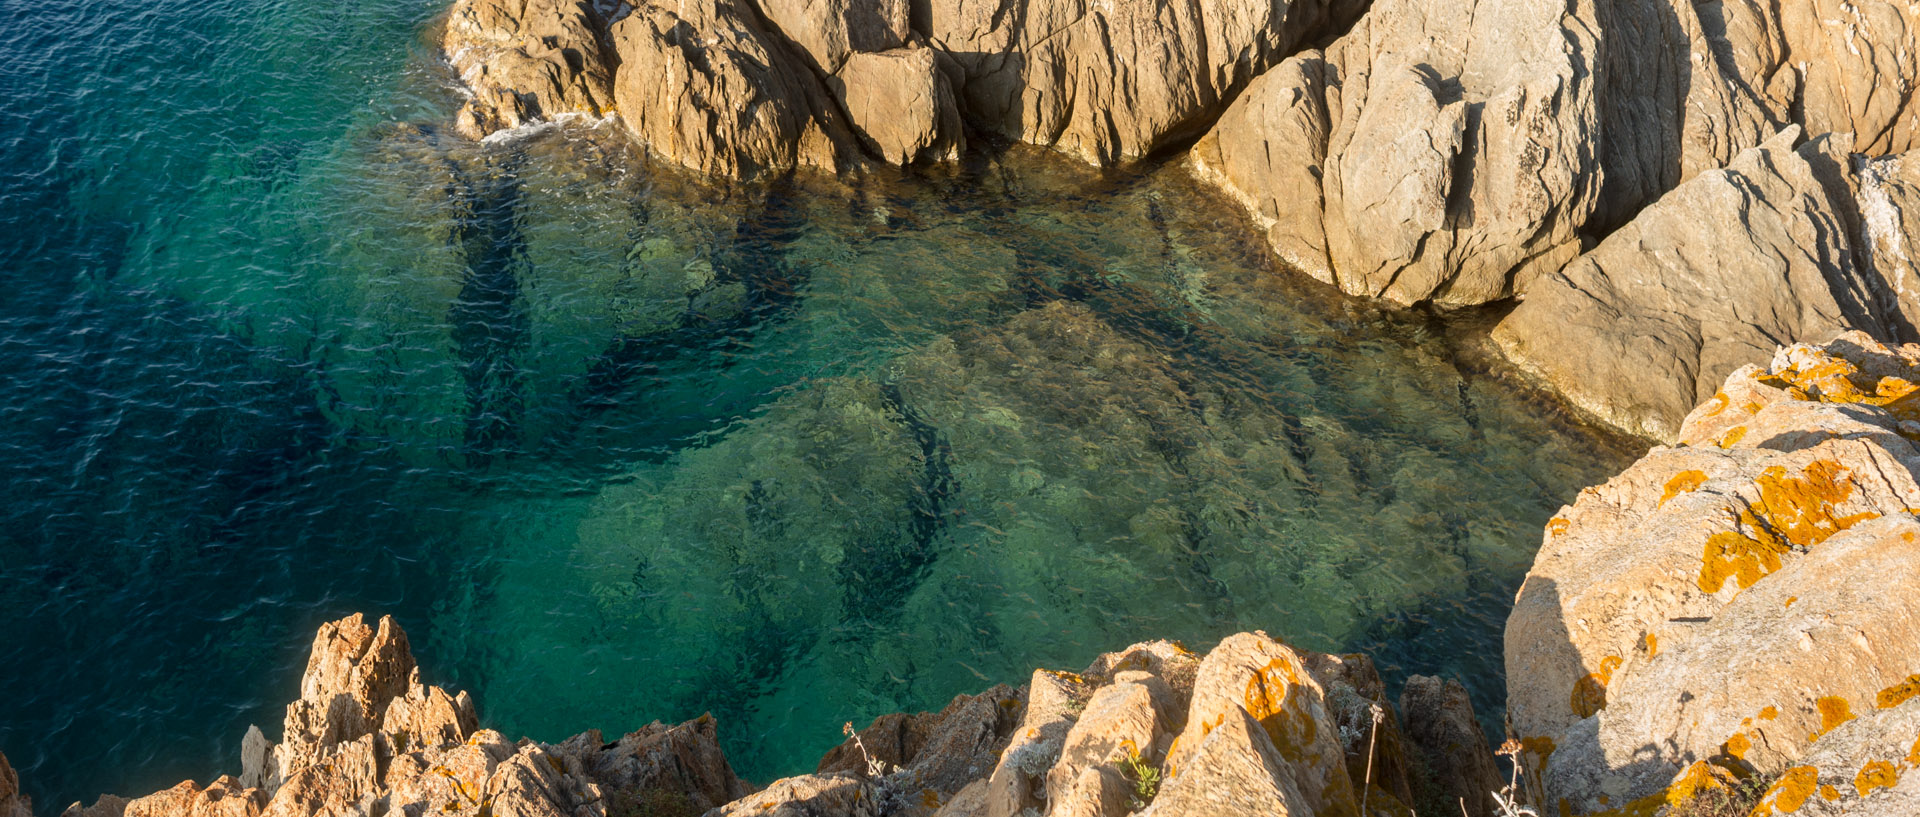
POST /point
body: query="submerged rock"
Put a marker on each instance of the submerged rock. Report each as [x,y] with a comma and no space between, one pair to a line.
[1731,602]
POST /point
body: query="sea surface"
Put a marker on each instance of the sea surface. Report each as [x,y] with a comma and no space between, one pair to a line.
[614,446]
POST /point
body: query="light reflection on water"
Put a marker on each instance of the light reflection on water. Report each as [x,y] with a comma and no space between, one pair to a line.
[615,447]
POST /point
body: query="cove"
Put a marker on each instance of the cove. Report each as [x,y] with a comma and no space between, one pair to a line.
[615,446]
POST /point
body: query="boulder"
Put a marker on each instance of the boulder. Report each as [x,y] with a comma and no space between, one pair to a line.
[1254,676]
[108,805]
[1707,279]
[1372,735]
[1454,161]
[706,86]
[1233,770]
[526,60]
[426,716]
[942,752]
[657,760]
[829,32]
[1115,80]
[1727,604]
[1866,766]
[900,104]
[1453,749]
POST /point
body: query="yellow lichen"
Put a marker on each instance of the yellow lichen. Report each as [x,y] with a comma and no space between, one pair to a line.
[1768,713]
[1542,747]
[1717,405]
[1877,774]
[1791,600]
[1733,436]
[1898,693]
[1829,793]
[1590,693]
[1688,785]
[1653,645]
[1734,555]
[1683,482]
[1830,379]
[1274,699]
[1789,793]
[1913,755]
[1792,511]
[1557,526]
[1834,711]
[1737,746]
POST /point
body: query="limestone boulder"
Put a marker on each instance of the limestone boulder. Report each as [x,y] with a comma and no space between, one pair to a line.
[1726,604]
[1709,278]
[526,60]
[705,85]
[1112,81]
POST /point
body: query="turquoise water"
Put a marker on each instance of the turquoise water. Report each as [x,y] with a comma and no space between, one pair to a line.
[616,447]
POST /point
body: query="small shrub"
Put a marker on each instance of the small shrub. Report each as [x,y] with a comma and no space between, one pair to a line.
[1736,800]
[1144,776]
[655,802]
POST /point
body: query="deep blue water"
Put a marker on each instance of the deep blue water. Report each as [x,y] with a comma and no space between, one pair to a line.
[615,447]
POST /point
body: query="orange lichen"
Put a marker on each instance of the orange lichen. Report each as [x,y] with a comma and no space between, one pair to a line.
[1590,693]
[1683,482]
[1542,747]
[1913,755]
[1737,746]
[1877,774]
[1653,645]
[1834,711]
[1273,698]
[1717,404]
[1829,793]
[1898,693]
[1688,785]
[1768,713]
[1557,526]
[1737,556]
[1791,600]
[1830,379]
[1790,792]
[1732,437]
[1792,511]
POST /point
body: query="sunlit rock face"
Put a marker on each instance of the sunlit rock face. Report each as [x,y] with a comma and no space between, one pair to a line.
[1732,602]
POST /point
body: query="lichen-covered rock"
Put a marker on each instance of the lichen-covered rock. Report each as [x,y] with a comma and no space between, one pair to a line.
[1440,724]
[1707,279]
[1234,771]
[526,60]
[1728,603]
[1254,675]
[705,85]
[1454,160]
[1867,766]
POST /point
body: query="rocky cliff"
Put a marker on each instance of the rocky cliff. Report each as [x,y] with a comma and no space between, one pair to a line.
[1254,727]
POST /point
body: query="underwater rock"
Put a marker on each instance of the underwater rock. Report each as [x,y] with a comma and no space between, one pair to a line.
[1709,278]
[1726,603]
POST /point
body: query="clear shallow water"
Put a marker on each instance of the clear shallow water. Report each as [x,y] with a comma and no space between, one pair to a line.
[616,448]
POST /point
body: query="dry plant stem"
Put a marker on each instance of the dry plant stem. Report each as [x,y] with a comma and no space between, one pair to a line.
[1373,734]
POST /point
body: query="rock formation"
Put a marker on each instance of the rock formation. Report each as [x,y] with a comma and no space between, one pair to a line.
[1254,727]
[1725,607]
[12,802]
[739,88]
[1708,278]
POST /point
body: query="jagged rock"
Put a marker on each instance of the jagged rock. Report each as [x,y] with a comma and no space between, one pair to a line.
[1234,770]
[1113,81]
[353,673]
[346,778]
[108,805]
[1726,603]
[1456,161]
[452,779]
[808,796]
[256,759]
[1120,721]
[1440,724]
[942,752]
[426,716]
[704,85]
[525,60]
[12,802]
[224,797]
[1019,781]
[1708,278]
[900,104]
[1254,675]
[1889,207]
[684,760]
[535,783]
